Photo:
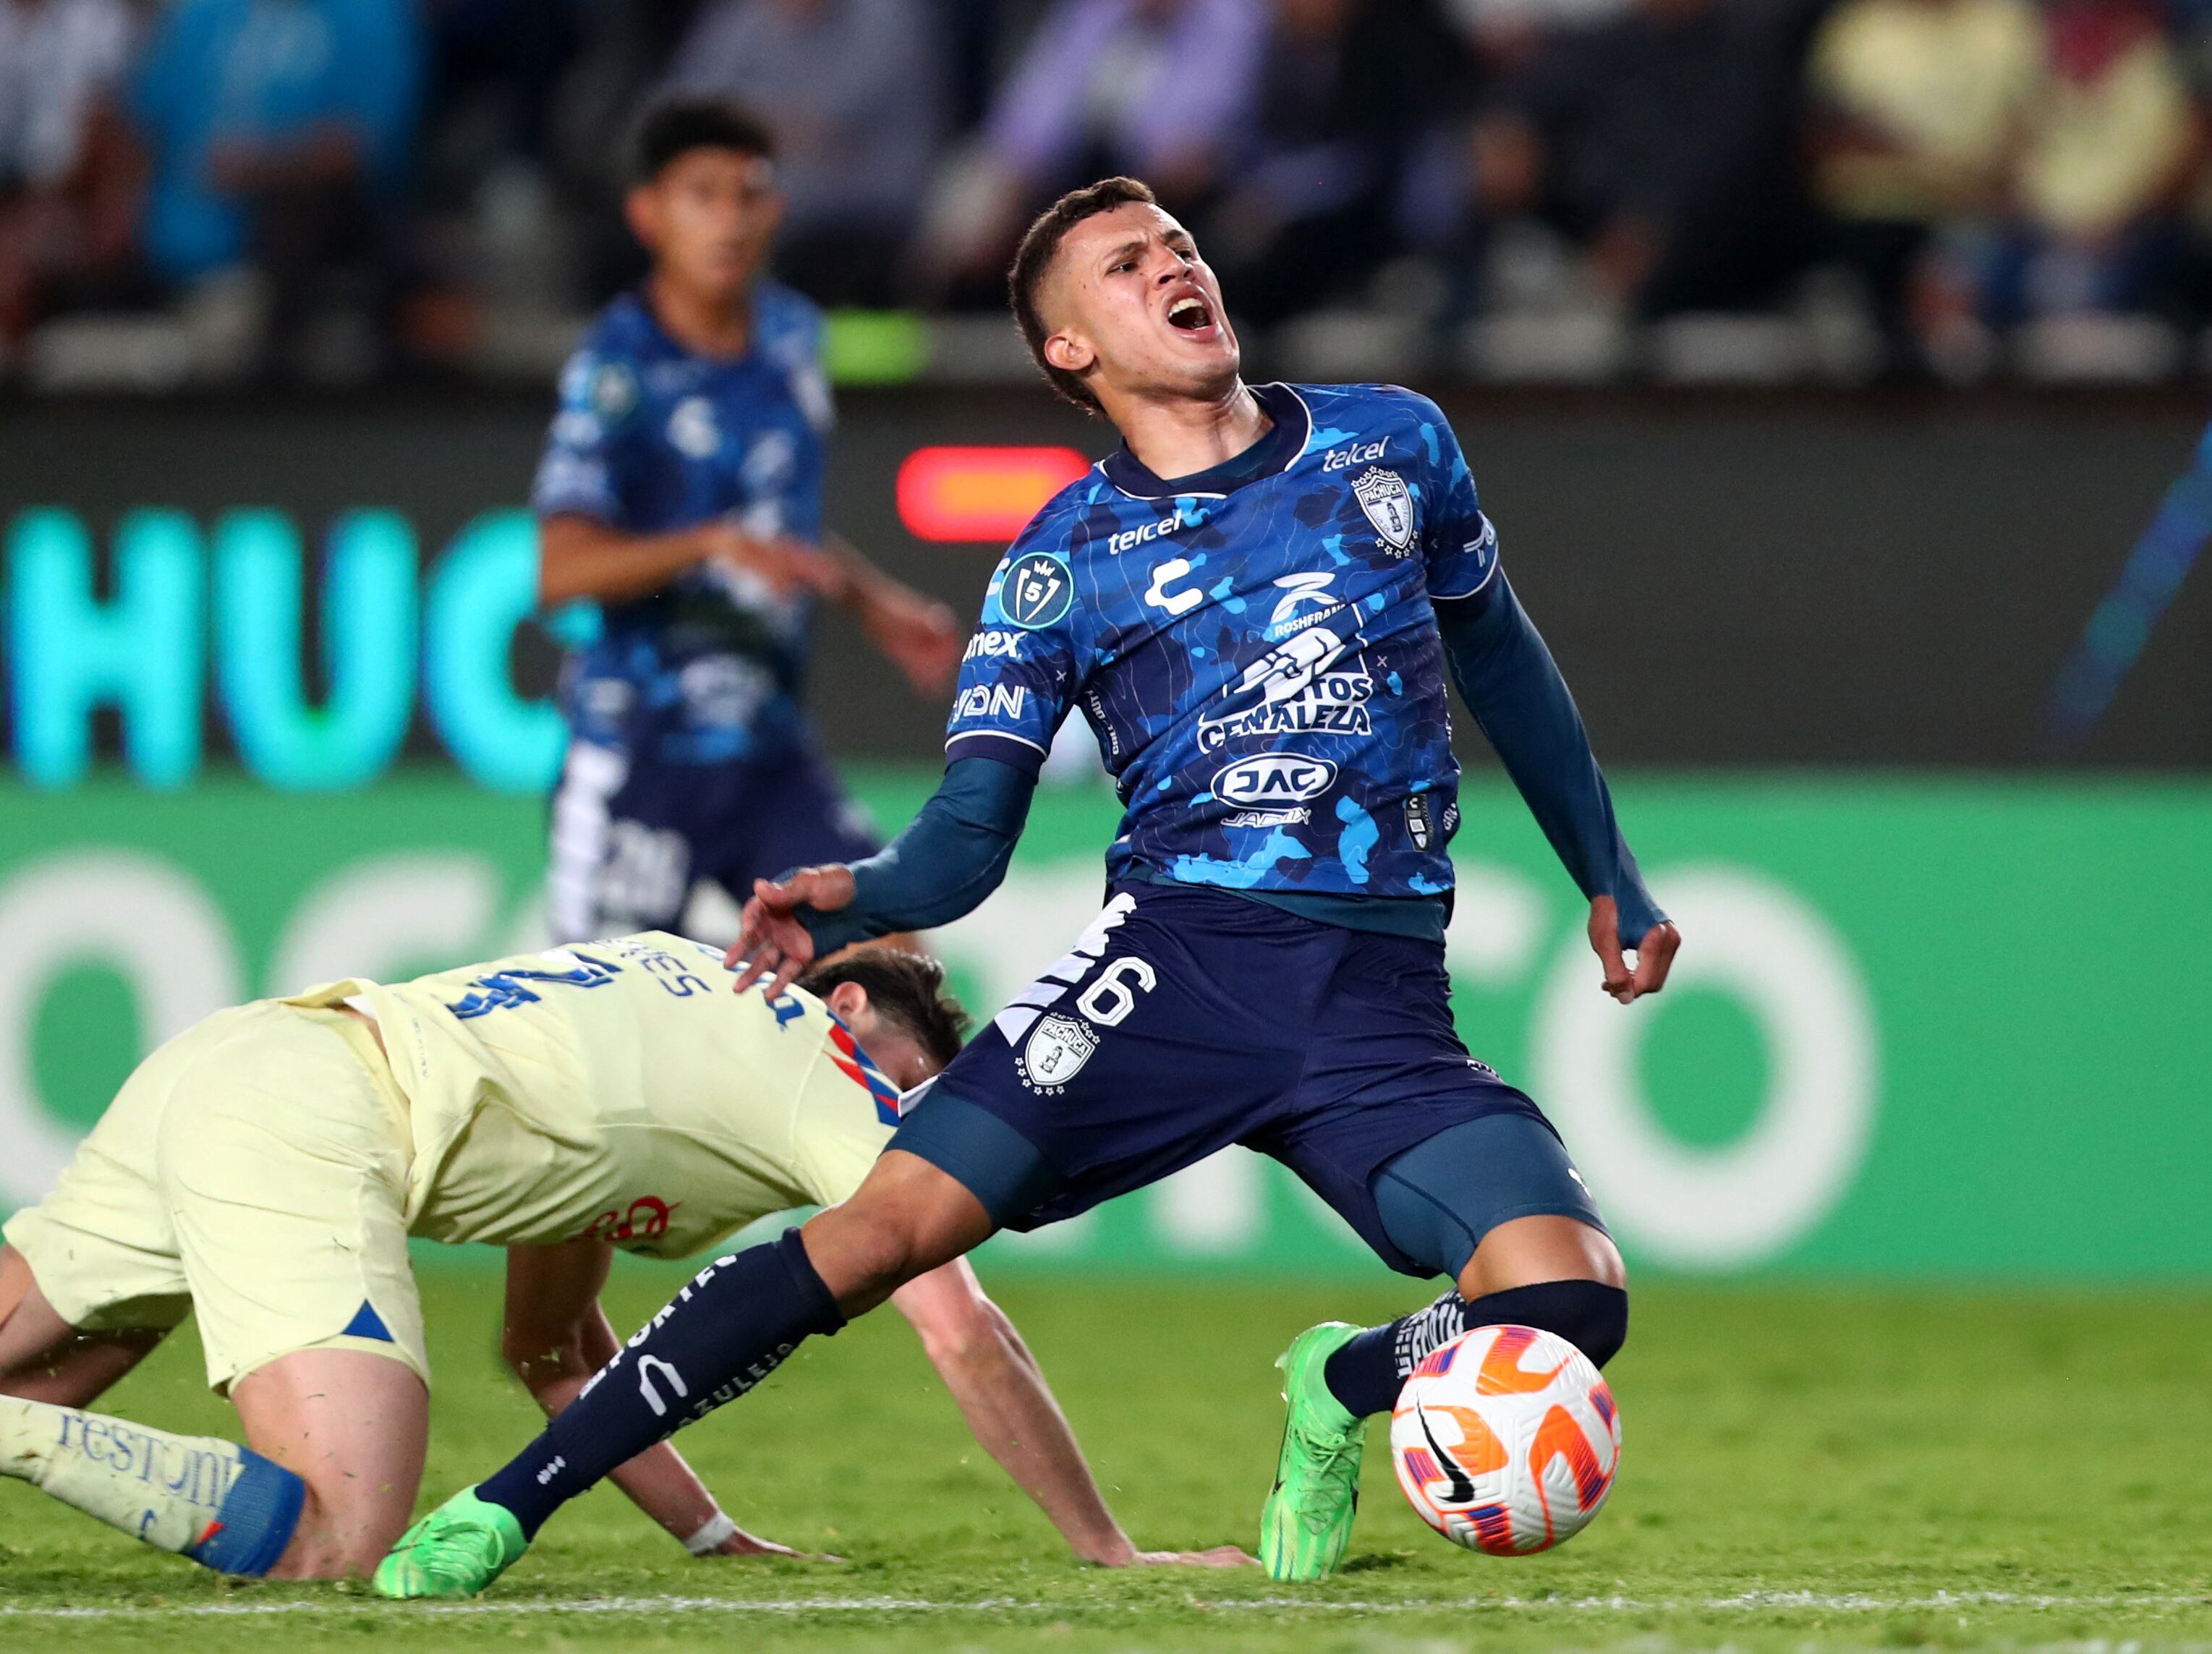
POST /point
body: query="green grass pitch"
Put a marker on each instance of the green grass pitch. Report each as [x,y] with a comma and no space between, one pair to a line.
[1805,1468]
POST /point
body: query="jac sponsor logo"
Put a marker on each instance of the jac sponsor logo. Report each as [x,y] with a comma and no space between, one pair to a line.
[1130,539]
[994,646]
[1359,453]
[989,701]
[1273,779]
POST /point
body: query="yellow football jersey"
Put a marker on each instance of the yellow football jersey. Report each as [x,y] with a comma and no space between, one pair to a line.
[619,1089]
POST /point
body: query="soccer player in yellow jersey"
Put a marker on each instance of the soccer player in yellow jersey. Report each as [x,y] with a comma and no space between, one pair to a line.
[265,1169]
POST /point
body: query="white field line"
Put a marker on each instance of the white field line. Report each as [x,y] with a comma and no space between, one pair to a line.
[1746,1602]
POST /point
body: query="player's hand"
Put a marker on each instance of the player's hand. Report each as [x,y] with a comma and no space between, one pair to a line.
[1655,953]
[788,566]
[772,945]
[742,1543]
[1221,1556]
[918,634]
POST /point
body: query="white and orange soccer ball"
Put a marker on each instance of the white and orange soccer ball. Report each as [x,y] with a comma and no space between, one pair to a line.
[1506,1440]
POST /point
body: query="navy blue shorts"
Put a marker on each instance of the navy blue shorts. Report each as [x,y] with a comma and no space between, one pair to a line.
[632,835]
[1186,1019]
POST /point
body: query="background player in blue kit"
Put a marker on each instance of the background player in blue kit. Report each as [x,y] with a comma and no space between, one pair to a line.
[681,488]
[1257,603]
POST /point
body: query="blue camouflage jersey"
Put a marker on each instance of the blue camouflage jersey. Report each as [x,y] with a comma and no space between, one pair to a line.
[1254,646]
[652,438]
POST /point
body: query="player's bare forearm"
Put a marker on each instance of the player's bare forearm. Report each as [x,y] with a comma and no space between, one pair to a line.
[580,558]
[658,1481]
[1002,1393]
[555,1337]
[916,633]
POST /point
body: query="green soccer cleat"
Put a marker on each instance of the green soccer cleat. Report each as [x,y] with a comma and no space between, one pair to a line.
[1307,1521]
[457,1550]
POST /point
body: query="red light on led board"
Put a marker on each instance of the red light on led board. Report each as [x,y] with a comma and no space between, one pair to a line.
[981,494]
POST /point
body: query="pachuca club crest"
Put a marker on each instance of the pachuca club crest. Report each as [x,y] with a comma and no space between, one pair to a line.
[1388,505]
[1057,1051]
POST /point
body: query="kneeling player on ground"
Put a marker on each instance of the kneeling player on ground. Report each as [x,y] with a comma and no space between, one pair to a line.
[1257,604]
[265,1169]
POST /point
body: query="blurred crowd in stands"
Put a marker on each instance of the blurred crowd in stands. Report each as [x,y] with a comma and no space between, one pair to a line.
[334,189]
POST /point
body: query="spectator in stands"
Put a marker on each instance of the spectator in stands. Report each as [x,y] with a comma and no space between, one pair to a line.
[69,174]
[494,69]
[279,131]
[1662,142]
[1344,87]
[1164,89]
[1507,34]
[2112,139]
[855,91]
[1918,108]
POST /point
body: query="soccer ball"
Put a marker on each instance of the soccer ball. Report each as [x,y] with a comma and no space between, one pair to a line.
[1506,1440]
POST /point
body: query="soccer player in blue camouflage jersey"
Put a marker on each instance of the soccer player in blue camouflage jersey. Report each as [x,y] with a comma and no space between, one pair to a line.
[681,488]
[1256,605]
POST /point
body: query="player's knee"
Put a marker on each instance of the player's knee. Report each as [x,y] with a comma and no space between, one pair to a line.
[1591,1315]
[864,1256]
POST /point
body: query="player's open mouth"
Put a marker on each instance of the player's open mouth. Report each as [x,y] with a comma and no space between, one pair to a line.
[1191,314]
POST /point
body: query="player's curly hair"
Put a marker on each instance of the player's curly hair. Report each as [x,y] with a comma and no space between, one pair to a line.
[907,990]
[1033,262]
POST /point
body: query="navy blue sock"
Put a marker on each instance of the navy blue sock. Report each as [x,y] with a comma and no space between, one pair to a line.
[1367,1374]
[725,1332]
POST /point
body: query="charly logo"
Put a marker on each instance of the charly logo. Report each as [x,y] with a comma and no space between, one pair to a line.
[1176,602]
[1058,1048]
[1383,496]
[1273,779]
[1418,825]
[692,430]
[1037,591]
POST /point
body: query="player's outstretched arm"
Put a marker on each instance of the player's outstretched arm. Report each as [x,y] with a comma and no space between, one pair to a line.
[1511,684]
[1003,1395]
[917,634]
[555,1336]
[950,857]
[580,557]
